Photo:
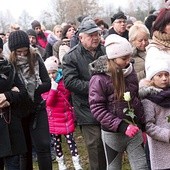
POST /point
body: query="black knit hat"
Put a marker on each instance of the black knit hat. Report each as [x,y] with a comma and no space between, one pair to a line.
[31,32]
[18,39]
[35,23]
[119,15]
[1,43]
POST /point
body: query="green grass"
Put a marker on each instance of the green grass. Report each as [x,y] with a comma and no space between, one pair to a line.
[82,152]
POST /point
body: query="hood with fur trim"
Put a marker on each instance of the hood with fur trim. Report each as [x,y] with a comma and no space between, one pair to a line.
[146,89]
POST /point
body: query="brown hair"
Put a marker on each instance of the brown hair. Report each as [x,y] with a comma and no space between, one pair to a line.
[31,60]
[117,79]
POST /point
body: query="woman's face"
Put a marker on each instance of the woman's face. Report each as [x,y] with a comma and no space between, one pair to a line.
[141,41]
[167,29]
[70,32]
[122,62]
[22,51]
[161,79]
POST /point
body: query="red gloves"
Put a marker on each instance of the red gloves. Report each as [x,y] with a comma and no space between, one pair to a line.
[131,130]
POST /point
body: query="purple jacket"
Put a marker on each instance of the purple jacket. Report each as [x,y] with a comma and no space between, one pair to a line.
[101,99]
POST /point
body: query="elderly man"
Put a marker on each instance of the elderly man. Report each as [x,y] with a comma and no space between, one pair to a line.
[119,25]
[76,79]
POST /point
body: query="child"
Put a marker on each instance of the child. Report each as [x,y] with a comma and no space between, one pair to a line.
[157,113]
[113,76]
[60,113]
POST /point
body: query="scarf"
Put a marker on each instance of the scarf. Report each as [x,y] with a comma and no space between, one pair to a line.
[59,75]
[31,82]
[161,38]
[162,98]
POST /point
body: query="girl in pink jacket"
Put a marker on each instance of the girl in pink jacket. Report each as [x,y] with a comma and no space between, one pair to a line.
[60,113]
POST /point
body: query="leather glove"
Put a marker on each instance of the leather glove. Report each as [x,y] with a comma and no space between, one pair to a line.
[131,130]
[54,85]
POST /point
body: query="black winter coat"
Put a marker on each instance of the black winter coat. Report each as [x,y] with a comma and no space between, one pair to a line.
[12,140]
[76,78]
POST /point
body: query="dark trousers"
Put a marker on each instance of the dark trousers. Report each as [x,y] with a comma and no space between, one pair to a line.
[10,163]
[39,137]
[94,144]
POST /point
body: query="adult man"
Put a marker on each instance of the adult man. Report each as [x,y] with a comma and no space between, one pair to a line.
[33,42]
[119,25]
[76,79]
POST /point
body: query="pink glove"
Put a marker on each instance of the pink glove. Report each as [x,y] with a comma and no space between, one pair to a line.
[131,131]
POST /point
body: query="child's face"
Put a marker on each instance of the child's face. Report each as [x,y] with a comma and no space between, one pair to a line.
[161,79]
[52,74]
[122,62]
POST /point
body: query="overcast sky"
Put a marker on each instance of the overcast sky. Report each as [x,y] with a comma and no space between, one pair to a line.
[34,7]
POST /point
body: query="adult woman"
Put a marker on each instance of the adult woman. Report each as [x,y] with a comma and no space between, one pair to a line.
[138,37]
[159,47]
[33,74]
[12,96]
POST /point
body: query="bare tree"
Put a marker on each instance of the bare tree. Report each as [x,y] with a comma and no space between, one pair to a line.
[69,10]
[25,20]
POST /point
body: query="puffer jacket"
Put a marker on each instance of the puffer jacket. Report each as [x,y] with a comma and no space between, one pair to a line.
[101,98]
[60,113]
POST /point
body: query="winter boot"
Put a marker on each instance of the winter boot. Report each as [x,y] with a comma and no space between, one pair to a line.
[61,164]
[76,162]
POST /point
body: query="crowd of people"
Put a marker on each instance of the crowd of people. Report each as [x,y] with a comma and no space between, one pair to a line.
[110,81]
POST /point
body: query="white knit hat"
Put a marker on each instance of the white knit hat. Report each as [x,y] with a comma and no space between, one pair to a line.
[51,63]
[156,67]
[117,46]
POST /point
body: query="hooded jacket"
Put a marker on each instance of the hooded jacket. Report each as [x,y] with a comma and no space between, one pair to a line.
[104,107]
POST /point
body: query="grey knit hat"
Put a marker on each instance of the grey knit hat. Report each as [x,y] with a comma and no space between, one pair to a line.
[18,39]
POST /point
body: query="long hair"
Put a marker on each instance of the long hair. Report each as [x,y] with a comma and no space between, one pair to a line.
[117,79]
[31,60]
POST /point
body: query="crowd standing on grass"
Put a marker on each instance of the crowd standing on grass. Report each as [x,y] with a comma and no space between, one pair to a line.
[86,71]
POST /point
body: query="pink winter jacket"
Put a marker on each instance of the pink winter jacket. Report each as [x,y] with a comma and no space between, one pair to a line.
[60,115]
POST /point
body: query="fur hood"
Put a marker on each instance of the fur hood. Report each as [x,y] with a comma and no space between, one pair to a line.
[146,89]
[100,66]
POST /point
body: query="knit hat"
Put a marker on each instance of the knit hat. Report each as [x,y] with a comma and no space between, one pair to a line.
[18,39]
[1,43]
[51,63]
[119,15]
[35,23]
[31,32]
[156,67]
[117,46]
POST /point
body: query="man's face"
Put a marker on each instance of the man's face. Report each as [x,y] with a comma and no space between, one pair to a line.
[32,39]
[90,41]
[119,26]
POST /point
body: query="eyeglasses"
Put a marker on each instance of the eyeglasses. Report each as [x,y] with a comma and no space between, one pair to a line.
[120,21]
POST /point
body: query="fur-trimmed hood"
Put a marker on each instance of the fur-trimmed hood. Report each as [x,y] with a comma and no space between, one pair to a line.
[146,89]
[100,66]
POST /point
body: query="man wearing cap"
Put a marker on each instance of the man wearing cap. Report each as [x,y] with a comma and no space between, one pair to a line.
[119,25]
[76,78]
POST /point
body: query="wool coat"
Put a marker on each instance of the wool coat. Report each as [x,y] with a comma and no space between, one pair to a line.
[157,129]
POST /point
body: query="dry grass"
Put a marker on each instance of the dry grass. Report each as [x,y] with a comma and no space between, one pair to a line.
[82,152]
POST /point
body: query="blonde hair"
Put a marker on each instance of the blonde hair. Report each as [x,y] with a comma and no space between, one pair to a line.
[133,31]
